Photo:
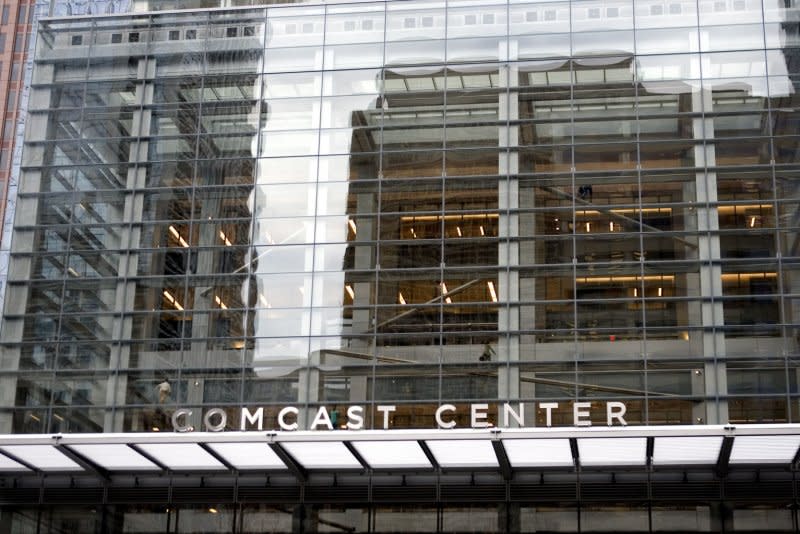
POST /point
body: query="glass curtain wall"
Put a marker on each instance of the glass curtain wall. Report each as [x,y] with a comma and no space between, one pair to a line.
[408,204]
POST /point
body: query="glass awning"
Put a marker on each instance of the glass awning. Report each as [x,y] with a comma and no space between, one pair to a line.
[504,450]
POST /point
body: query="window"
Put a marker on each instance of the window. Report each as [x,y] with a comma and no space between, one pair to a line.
[550,14]
[77,40]
[231,32]
[4,18]
[2,42]
[249,31]
[116,38]
[21,15]
[719,6]
[133,37]
[410,23]
[531,16]
[739,5]
[469,20]
[675,9]
[191,34]
[349,25]
[594,13]
[8,129]
[427,22]
[367,25]
[19,42]
[612,12]
[11,100]
[3,158]
[308,27]
[174,35]
[14,71]
[291,28]
[657,9]
[488,18]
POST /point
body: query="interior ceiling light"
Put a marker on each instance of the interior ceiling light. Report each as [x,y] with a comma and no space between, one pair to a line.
[492,291]
[172,300]
[177,235]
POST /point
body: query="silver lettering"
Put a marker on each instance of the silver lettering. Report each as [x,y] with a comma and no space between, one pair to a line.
[439,411]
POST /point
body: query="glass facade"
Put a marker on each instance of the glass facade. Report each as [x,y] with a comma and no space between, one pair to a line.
[408,204]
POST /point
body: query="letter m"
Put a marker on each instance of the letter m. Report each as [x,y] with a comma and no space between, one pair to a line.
[252,418]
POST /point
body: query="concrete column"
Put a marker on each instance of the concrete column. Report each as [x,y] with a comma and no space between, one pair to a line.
[508,254]
[130,242]
[709,279]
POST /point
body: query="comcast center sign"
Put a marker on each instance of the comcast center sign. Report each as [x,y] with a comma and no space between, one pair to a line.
[250,418]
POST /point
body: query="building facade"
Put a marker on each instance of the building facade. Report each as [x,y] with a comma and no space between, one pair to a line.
[518,211]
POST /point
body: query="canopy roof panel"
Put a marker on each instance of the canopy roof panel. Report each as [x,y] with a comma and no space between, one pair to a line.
[422,451]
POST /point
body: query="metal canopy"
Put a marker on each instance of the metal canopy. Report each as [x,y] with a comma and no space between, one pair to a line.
[420,451]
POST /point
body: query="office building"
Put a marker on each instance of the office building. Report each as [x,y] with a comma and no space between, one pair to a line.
[401,217]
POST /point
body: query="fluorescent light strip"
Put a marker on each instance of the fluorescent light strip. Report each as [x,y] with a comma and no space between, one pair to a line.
[605,279]
[172,300]
[465,217]
[492,291]
[178,236]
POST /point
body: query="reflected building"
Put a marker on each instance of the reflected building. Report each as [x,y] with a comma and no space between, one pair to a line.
[408,204]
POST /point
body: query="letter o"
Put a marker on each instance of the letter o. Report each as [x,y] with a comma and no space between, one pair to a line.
[223,420]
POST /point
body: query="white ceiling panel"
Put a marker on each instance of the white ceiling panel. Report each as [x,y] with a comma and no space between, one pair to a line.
[393,454]
[43,457]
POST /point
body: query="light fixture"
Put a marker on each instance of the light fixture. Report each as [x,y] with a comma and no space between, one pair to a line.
[466,217]
[588,227]
[352,224]
[73,272]
[606,279]
[350,291]
[177,235]
[220,303]
[660,292]
[172,300]
[611,226]
[444,293]
[483,232]
[400,298]
[492,291]
[635,291]
[745,277]
[458,231]
[752,221]
[224,238]
[213,511]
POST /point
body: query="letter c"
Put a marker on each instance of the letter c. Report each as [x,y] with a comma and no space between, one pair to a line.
[439,411]
[282,414]
[177,425]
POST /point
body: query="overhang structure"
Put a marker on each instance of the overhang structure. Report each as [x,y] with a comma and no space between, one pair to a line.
[656,464]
